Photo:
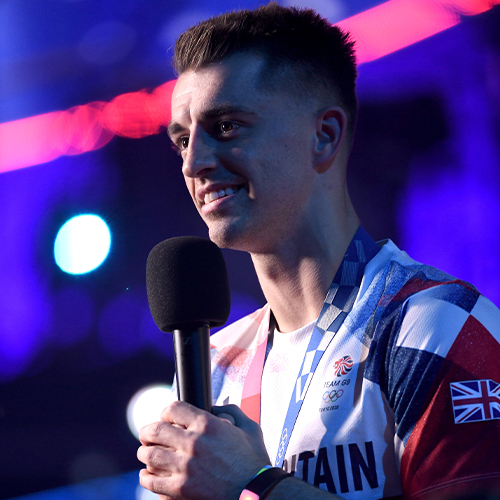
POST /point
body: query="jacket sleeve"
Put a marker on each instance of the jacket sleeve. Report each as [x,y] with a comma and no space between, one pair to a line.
[443,383]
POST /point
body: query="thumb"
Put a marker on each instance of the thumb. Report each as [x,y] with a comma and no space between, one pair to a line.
[227,418]
[235,414]
[247,425]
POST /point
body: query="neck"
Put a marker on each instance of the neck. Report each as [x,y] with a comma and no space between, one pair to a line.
[296,276]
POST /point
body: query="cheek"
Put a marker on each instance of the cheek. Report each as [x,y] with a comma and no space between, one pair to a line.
[288,166]
[191,187]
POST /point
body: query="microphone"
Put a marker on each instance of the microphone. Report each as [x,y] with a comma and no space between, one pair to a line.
[188,293]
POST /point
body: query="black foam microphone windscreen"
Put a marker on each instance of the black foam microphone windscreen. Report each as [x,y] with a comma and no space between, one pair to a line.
[187,284]
[188,292]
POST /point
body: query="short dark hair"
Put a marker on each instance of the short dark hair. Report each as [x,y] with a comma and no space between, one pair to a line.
[320,54]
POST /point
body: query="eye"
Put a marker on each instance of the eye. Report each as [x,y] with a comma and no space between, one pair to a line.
[183,143]
[226,127]
[180,145]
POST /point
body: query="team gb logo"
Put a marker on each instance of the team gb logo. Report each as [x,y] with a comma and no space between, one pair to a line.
[343,366]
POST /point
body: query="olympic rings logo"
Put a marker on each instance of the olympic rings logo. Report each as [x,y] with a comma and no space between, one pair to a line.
[332,396]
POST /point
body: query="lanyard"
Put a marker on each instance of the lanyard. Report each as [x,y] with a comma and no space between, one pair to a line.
[338,303]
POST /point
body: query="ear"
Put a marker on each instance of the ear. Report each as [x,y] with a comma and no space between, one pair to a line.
[330,133]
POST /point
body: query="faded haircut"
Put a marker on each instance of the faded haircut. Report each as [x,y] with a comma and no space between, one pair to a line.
[320,56]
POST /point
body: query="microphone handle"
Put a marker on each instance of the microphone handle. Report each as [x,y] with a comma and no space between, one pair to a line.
[192,366]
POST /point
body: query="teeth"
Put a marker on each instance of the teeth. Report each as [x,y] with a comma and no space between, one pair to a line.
[215,195]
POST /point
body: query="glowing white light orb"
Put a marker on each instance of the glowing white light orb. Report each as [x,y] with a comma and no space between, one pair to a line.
[82,244]
[146,406]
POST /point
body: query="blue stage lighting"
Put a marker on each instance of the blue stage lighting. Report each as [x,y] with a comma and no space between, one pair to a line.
[82,244]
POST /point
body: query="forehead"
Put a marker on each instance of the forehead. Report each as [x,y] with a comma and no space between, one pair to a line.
[232,82]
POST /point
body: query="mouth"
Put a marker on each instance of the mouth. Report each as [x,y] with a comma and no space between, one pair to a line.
[220,193]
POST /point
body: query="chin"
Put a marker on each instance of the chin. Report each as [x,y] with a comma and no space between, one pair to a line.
[241,239]
[222,239]
[231,237]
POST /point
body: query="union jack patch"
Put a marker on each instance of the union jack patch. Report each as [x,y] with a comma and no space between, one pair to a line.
[475,400]
[343,366]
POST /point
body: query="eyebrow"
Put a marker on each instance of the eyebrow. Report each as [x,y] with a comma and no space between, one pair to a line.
[212,113]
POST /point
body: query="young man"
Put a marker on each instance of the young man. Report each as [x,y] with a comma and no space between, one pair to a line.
[388,387]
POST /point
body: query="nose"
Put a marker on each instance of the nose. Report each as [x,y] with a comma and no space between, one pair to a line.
[199,158]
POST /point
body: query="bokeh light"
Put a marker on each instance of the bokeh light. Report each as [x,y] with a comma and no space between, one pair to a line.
[146,406]
[82,244]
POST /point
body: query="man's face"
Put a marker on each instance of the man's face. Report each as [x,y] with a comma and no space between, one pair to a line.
[246,153]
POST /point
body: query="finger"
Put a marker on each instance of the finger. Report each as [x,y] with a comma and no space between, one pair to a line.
[181,413]
[153,483]
[160,433]
[158,460]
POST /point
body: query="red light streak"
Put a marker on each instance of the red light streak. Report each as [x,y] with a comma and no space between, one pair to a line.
[393,25]
[42,138]
[379,31]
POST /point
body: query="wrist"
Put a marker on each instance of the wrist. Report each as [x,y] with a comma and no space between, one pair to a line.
[263,483]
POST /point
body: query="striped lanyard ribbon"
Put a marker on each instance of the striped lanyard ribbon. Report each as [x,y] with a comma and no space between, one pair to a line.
[338,303]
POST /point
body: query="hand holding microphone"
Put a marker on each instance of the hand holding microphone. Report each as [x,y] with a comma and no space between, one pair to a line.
[188,292]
